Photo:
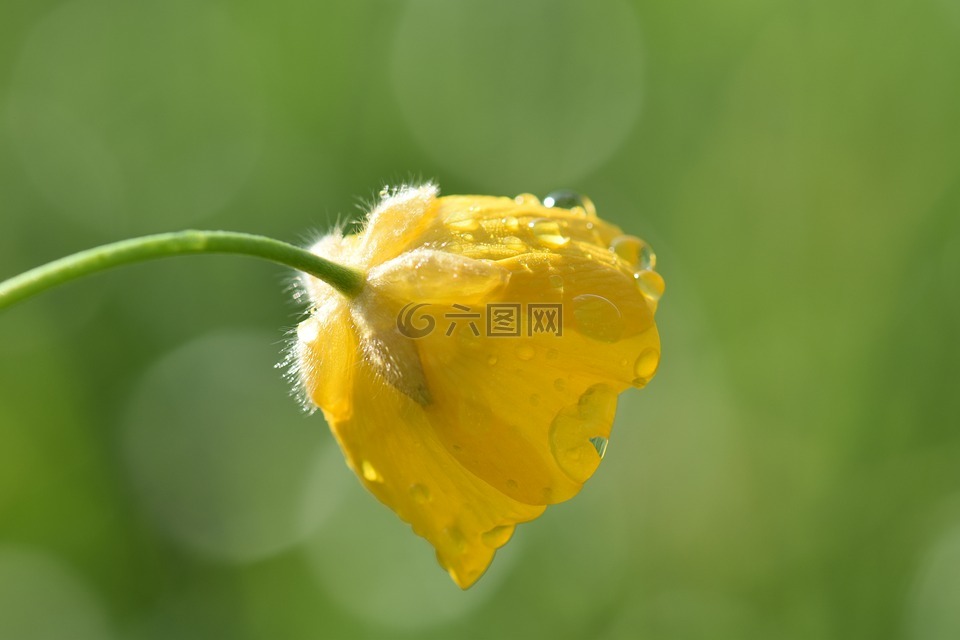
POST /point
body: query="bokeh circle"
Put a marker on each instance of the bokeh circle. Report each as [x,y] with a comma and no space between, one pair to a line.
[127,115]
[519,96]
[223,460]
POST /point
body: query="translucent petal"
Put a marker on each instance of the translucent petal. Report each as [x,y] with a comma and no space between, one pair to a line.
[520,412]
[389,444]
[327,351]
[429,276]
[396,222]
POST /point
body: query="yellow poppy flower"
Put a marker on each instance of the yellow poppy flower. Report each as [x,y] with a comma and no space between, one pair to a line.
[474,379]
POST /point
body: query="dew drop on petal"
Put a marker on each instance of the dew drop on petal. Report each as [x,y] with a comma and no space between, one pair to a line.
[627,248]
[552,354]
[498,536]
[535,399]
[370,472]
[511,224]
[556,282]
[420,493]
[492,360]
[634,252]
[650,283]
[600,444]
[527,198]
[514,244]
[308,331]
[646,364]
[456,537]
[463,225]
[564,199]
[525,352]
[548,233]
[512,483]
[597,318]
[560,384]
[648,259]
[573,431]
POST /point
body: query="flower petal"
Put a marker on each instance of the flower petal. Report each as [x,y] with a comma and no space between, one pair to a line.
[495,227]
[389,444]
[520,412]
[434,277]
[396,222]
[326,353]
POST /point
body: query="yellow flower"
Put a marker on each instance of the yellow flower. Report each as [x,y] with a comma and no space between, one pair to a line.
[461,430]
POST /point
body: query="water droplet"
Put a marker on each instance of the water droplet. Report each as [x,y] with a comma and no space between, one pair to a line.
[513,243]
[492,360]
[463,225]
[512,484]
[467,237]
[648,259]
[651,283]
[456,537]
[634,252]
[498,536]
[308,331]
[535,399]
[600,444]
[573,431]
[646,366]
[420,493]
[556,282]
[560,384]
[564,199]
[385,192]
[597,318]
[525,352]
[552,354]
[370,472]
[548,232]
[510,224]
[527,198]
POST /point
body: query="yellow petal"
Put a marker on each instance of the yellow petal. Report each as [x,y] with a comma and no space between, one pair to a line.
[433,277]
[493,227]
[326,353]
[414,279]
[521,412]
[388,442]
[396,222]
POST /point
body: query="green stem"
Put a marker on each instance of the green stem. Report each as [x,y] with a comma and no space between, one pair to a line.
[346,280]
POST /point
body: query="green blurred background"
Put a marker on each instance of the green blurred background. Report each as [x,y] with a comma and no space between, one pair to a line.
[792,472]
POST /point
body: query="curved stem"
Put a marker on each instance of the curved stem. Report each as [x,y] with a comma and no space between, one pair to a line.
[346,280]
